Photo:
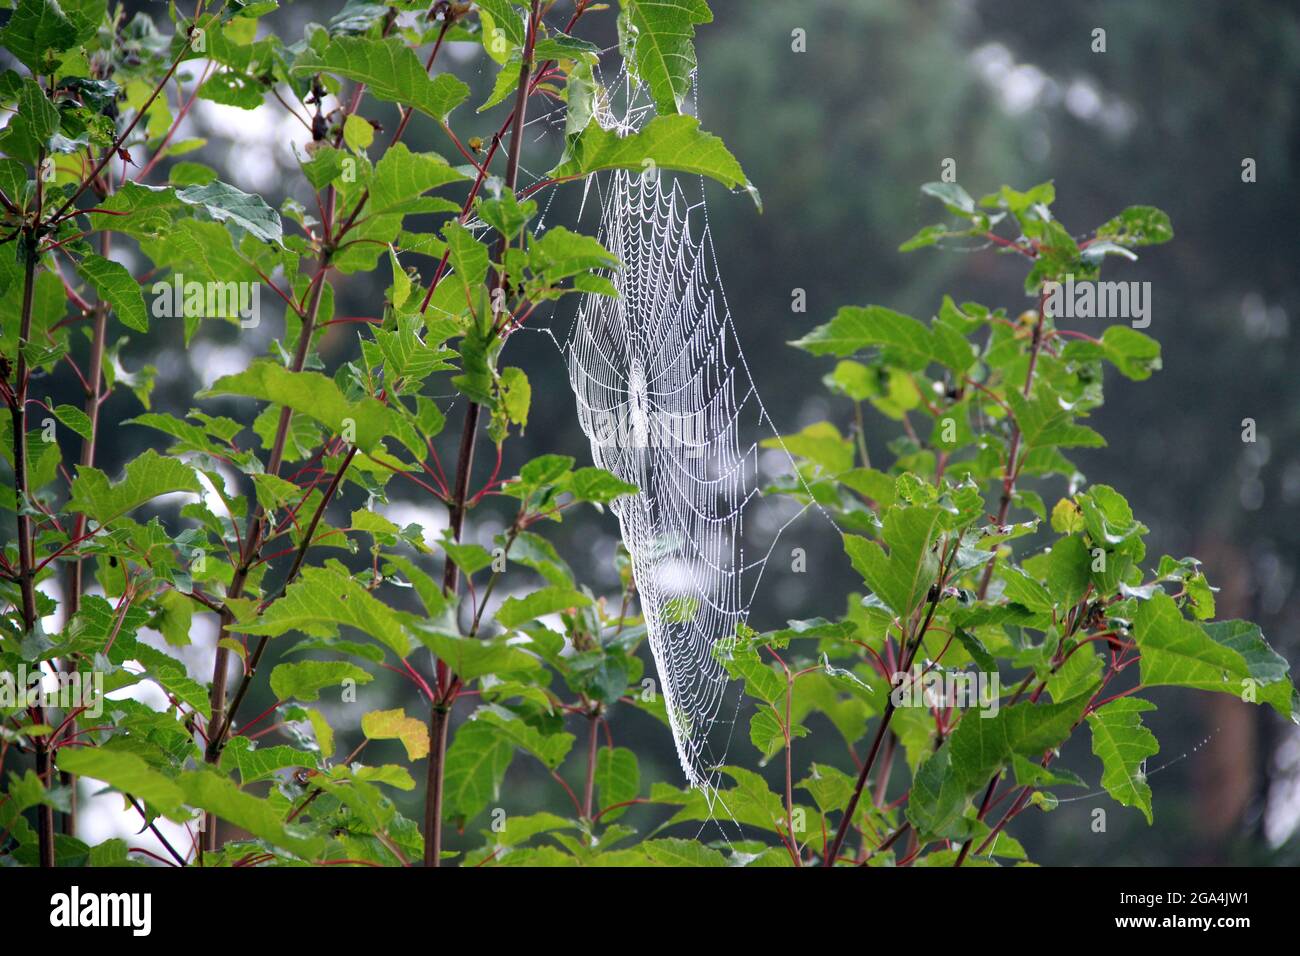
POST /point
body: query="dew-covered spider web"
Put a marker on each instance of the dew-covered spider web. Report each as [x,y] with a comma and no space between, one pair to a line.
[667,401]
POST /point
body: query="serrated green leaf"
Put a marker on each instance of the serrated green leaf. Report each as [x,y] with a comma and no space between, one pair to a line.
[663,54]
[40,29]
[678,852]
[979,747]
[118,288]
[670,142]
[126,773]
[146,478]
[618,780]
[471,657]
[1138,226]
[476,764]
[1123,745]
[220,796]
[225,203]
[304,680]
[391,72]
[322,600]
[310,394]
[515,611]
[901,578]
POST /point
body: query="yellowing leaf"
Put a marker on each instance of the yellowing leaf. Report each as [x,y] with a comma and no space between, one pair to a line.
[395,725]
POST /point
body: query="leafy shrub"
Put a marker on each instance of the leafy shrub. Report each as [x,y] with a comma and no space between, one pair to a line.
[263,545]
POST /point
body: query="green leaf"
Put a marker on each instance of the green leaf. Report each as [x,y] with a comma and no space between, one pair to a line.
[663,54]
[1267,667]
[598,486]
[39,29]
[429,591]
[304,680]
[358,133]
[391,72]
[549,600]
[516,395]
[112,853]
[468,256]
[261,763]
[402,176]
[118,288]
[678,852]
[471,657]
[534,551]
[925,236]
[560,253]
[1138,226]
[476,764]
[1031,774]
[1107,516]
[545,469]
[741,661]
[165,670]
[27,136]
[147,477]
[618,780]
[374,524]
[506,82]
[1066,517]
[220,796]
[501,15]
[176,617]
[830,787]
[550,749]
[979,748]
[901,578]
[1068,570]
[768,736]
[225,203]
[1123,744]
[956,199]
[310,394]
[126,773]
[140,211]
[821,443]
[76,419]
[1180,653]
[1136,355]
[322,600]
[1045,420]
[670,142]
[1081,671]
[750,802]
[903,340]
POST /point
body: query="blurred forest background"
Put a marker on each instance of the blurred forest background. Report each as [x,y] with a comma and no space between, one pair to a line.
[838,139]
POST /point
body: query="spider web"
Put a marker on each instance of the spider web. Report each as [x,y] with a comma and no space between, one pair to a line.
[665,397]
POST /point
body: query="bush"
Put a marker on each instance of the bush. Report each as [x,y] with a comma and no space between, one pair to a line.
[951,607]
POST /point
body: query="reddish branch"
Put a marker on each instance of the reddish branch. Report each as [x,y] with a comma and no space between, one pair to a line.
[448,683]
